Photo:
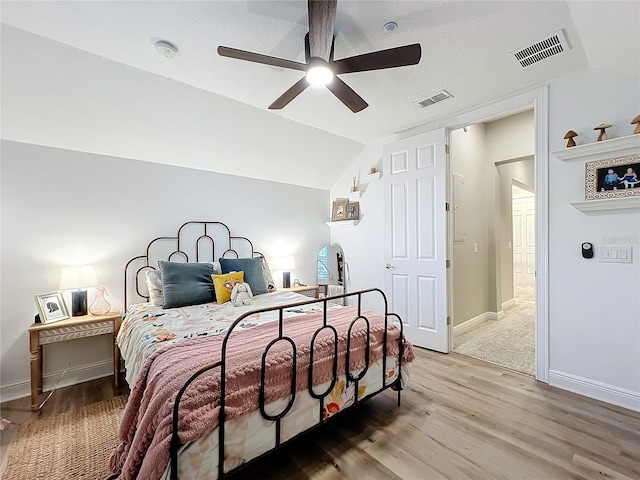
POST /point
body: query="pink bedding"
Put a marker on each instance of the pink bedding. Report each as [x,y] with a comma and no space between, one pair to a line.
[145,431]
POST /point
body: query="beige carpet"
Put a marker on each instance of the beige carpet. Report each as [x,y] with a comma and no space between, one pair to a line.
[508,342]
[73,445]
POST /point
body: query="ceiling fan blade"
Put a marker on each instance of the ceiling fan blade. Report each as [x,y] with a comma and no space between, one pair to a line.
[347,95]
[259,58]
[290,94]
[322,20]
[393,57]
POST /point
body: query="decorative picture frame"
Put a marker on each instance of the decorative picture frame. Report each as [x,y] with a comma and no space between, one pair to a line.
[353,211]
[613,178]
[339,210]
[51,307]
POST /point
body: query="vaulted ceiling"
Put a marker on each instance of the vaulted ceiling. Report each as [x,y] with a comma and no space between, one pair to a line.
[86,75]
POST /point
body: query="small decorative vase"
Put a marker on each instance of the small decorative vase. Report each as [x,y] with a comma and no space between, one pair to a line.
[100,306]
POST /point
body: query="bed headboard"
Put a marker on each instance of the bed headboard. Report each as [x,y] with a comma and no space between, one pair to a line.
[196,241]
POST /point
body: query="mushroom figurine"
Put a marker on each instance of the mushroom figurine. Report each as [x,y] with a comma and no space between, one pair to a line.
[603,133]
[636,120]
[569,136]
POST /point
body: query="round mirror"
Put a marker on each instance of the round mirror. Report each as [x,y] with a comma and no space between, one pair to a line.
[331,271]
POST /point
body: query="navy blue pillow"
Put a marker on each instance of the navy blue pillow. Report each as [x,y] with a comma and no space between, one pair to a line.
[253,272]
[186,284]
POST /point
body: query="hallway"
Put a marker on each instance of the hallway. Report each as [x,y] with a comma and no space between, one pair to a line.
[508,342]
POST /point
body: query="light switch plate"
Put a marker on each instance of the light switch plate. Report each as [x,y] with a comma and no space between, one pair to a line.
[611,254]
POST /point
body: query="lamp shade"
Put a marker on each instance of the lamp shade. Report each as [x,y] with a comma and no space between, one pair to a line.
[283,263]
[79,276]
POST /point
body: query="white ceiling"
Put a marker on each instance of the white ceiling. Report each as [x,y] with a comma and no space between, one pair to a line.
[111,93]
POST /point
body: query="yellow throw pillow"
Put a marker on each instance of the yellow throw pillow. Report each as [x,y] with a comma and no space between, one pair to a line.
[223,293]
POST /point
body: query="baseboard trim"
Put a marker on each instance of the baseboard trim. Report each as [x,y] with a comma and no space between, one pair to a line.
[472,323]
[593,389]
[508,304]
[72,376]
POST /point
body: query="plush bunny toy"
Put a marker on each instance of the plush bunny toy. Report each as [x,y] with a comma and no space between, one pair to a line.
[241,294]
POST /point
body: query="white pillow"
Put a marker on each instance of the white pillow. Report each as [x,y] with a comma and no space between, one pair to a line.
[154,286]
[217,268]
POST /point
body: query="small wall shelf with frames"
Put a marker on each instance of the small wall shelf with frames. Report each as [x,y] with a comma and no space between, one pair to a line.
[613,147]
[343,223]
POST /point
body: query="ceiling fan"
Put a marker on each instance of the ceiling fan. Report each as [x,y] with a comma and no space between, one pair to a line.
[320,67]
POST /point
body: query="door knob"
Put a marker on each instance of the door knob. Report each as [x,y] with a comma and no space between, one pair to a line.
[388,266]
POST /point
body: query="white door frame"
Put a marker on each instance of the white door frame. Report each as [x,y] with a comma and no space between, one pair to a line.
[538,99]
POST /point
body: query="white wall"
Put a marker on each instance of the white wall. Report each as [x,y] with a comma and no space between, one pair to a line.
[57,95]
[363,244]
[63,207]
[594,308]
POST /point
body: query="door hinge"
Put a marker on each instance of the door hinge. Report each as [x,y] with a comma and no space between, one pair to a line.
[446,148]
[448,263]
[448,320]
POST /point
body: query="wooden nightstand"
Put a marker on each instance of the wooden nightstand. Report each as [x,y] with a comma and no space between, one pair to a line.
[308,290]
[75,327]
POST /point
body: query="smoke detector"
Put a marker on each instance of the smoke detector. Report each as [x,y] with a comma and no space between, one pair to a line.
[536,52]
[389,27]
[166,48]
[438,97]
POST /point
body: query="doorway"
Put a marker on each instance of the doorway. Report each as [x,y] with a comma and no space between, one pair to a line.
[493,252]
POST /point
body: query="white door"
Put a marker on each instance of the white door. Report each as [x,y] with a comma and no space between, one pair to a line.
[416,235]
[524,239]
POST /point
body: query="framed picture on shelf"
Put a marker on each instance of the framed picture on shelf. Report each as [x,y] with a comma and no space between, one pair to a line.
[51,307]
[339,210]
[353,210]
[613,178]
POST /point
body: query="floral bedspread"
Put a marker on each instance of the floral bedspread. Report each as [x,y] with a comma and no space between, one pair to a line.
[146,328]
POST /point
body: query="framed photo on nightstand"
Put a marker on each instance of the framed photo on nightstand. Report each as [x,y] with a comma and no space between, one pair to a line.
[51,307]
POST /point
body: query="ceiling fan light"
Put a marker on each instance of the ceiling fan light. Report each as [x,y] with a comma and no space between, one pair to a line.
[319,75]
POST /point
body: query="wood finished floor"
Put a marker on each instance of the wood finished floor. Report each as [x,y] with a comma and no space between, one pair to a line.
[460,418]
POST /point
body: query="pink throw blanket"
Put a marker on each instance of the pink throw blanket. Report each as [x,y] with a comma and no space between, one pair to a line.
[145,431]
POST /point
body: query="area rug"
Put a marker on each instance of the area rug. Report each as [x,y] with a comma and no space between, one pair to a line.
[73,445]
[508,342]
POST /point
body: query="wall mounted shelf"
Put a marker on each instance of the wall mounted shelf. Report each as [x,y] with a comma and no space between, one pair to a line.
[343,223]
[354,196]
[374,176]
[613,146]
[611,205]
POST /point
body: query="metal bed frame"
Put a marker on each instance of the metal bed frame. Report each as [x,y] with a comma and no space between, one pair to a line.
[229,247]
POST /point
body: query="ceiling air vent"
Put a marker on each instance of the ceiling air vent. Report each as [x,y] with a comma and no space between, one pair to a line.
[553,45]
[438,97]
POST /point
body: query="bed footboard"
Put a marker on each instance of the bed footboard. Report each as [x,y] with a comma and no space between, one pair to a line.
[324,327]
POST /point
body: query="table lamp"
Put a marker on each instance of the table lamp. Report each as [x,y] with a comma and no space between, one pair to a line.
[78,278]
[285,264]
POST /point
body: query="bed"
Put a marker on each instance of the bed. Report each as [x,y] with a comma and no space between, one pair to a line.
[215,386]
